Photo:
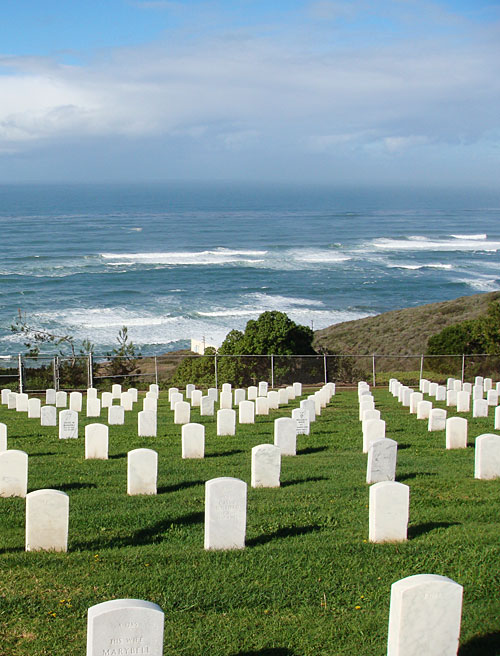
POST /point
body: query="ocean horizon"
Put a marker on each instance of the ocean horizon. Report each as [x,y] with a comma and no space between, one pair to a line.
[181,261]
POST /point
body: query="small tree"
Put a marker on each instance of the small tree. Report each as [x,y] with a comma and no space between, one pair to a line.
[123,358]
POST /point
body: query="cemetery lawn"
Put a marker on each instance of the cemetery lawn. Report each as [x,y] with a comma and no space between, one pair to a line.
[308,581]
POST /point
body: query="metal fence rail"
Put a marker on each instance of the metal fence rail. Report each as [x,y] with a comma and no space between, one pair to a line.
[32,374]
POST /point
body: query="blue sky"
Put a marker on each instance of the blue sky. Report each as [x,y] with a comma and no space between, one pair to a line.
[362,91]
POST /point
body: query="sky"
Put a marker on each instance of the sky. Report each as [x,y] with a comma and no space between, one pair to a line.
[373,92]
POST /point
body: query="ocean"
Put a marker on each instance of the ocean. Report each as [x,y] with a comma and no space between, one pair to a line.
[179,261]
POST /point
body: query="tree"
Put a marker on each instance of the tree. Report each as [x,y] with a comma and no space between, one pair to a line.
[123,358]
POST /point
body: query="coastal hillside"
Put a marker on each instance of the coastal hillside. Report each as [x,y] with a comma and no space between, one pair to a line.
[400,332]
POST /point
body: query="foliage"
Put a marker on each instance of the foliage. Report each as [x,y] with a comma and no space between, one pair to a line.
[465,337]
[123,358]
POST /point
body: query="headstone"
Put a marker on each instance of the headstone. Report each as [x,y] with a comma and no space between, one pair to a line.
[425,386]
[497,418]
[370,414]
[487,384]
[480,408]
[463,401]
[373,429]
[3,437]
[142,471]
[239,395]
[479,380]
[50,396]
[11,401]
[189,390]
[182,412]
[61,399]
[206,406]
[68,424]
[307,404]
[225,400]
[226,421]
[282,397]
[273,400]
[154,388]
[492,397]
[456,433]
[47,517]
[196,398]
[172,390]
[261,405]
[116,390]
[48,415]
[13,473]
[91,393]
[34,406]
[262,388]
[290,392]
[437,419]
[451,398]
[382,456]
[449,383]
[301,416]
[285,435]
[477,392]
[497,387]
[225,513]
[149,395]
[22,402]
[96,442]
[433,389]
[213,393]
[226,387]
[415,398]
[366,404]
[389,510]
[127,401]
[5,395]
[135,393]
[266,466]
[151,404]
[125,626]
[424,616]
[487,456]
[75,401]
[441,392]
[116,415]
[297,388]
[246,412]
[193,441]
[252,392]
[406,397]
[146,423]
[467,387]
[424,409]
[93,407]
[106,400]
[457,385]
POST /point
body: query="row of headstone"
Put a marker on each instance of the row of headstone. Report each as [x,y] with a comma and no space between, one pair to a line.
[382,451]
[424,618]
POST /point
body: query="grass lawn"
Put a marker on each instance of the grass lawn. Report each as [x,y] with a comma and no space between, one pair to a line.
[308,581]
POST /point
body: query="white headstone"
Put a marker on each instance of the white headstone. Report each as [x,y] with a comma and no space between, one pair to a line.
[96,442]
[425,386]
[477,392]
[441,393]
[487,384]
[226,421]
[91,393]
[68,424]
[61,399]
[22,402]
[225,513]
[457,385]
[189,390]
[285,435]
[196,398]
[13,473]
[366,404]
[370,414]
[146,423]
[116,390]
[116,415]
[478,380]
[424,617]
[480,408]
[290,392]
[463,401]
[34,406]
[497,418]
[451,398]
[151,404]
[297,388]
[213,393]
[5,395]
[382,456]
[246,412]
[106,400]
[492,397]
[11,401]
[225,400]
[125,626]
[127,401]
[154,388]
[182,412]
[50,396]
[373,429]
[206,406]
[172,390]
[239,395]
[406,397]
[193,441]
[226,387]
[266,465]
[467,387]
[48,415]
[47,516]
[261,405]
[282,396]
[93,407]
[456,433]
[389,510]
[3,437]
[75,401]
[437,419]
[142,471]
[307,404]
[135,393]
[301,416]
[273,400]
[424,409]
[487,456]
[415,398]
[262,388]
[433,389]
[252,392]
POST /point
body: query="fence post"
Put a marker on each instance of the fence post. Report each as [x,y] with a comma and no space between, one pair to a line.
[421,366]
[373,371]
[20,366]
[56,373]
[325,368]
[463,367]
[272,371]
[215,371]
[156,370]
[90,376]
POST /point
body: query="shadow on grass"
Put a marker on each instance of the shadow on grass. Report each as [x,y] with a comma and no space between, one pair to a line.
[407,477]
[402,447]
[311,479]
[267,651]
[285,532]
[487,645]
[311,449]
[148,535]
[48,453]
[73,486]
[116,456]
[11,550]
[421,529]
[223,453]
[178,486]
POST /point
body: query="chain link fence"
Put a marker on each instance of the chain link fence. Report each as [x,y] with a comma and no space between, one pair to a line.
[35,374]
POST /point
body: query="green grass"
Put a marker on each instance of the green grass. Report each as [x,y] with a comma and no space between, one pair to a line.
[307,567]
